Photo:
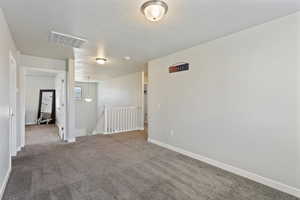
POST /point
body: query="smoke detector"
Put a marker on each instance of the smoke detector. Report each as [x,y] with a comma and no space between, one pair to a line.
[66,40]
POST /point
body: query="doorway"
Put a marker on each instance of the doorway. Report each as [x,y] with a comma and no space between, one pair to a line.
[44,106]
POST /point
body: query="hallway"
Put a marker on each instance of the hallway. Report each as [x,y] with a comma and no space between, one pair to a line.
[41,134]
[123,166]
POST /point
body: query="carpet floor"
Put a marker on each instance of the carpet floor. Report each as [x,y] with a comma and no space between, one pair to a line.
[41,134]
[123,167]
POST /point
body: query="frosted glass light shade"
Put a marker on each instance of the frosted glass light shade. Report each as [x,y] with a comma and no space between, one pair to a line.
[88,100]
[101,61]
[154,10]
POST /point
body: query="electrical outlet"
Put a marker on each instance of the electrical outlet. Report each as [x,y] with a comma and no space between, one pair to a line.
[172,133]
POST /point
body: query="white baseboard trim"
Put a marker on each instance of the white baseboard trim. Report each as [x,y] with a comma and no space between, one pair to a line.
[71,140]
[81,132]
[57,124]
[30,123]
[5,181]
[252,176]
[19,148]
[97,132]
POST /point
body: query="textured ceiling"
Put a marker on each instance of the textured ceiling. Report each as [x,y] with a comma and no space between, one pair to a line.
[116,28]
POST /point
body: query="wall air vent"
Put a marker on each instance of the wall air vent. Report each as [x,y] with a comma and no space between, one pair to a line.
[66,40]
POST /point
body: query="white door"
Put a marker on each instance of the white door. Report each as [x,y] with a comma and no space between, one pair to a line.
[13,104]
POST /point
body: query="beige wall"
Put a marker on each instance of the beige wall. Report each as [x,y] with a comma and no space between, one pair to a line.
[121,91]
[6,45]
[238,103]
[86,112]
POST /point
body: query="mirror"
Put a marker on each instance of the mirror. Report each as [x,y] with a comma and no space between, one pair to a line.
[46,111]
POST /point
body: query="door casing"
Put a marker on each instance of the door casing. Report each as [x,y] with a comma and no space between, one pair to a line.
[12,104]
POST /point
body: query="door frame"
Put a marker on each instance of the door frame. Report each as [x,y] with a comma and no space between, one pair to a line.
[22,82]
[12,113]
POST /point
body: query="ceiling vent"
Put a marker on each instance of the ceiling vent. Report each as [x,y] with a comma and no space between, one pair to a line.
[66,40]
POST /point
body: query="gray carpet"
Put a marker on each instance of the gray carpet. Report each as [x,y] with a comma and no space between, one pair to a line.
[41,134]
[123,166]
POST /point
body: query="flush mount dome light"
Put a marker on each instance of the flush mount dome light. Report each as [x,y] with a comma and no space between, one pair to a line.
[101,61]
[154,10]
[127,58]
[88,100]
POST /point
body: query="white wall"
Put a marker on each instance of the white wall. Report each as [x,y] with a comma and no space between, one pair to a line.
[7,44]
[238,102]
[122,91]
[43,63]
[86,112]
[33,86]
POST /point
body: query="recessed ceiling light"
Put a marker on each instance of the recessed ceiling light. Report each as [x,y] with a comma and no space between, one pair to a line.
[101,61]
[127,58]
[154,10]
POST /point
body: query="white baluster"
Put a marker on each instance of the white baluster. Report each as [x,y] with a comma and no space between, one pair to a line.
[107,111]
[124,119]
[113,120]
[105,119]
[135,118]
[110,120]
[118,121]
[131,115]
[121,119]
[127,119]
[129,126]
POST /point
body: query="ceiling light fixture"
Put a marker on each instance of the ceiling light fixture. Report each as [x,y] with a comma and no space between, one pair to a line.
[127,58]
[101,61]
[154,10]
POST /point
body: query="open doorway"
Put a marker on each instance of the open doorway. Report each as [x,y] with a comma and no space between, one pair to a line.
[44,106]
